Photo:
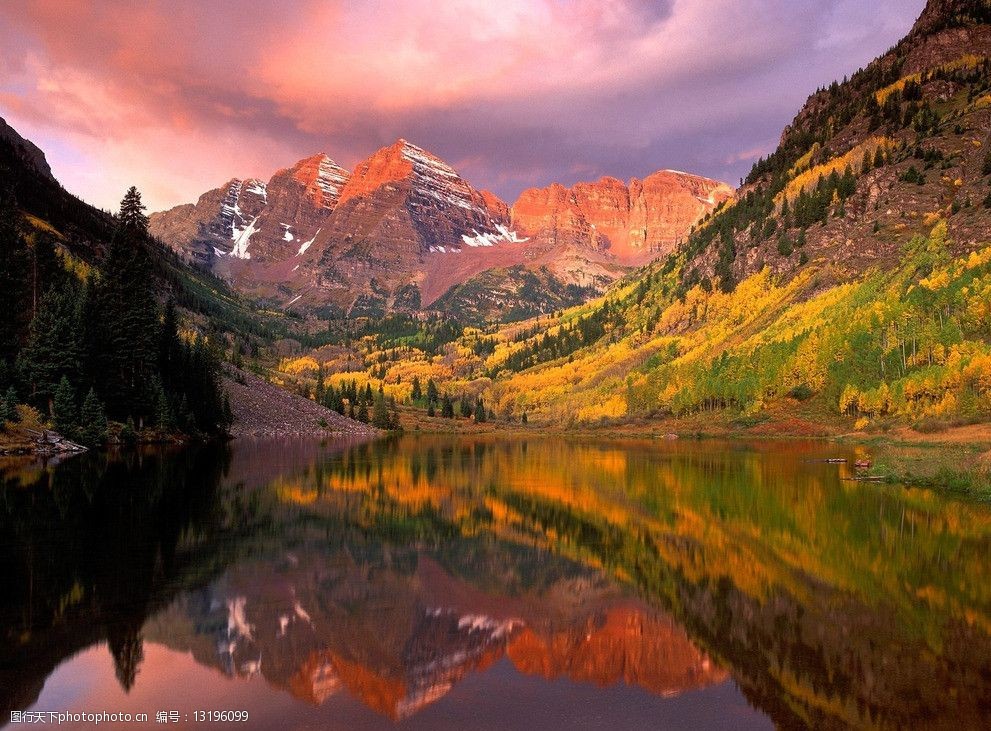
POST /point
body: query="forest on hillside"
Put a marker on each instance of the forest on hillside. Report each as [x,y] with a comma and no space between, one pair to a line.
[96,349]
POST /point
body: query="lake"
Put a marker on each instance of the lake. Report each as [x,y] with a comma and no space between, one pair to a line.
[432,582]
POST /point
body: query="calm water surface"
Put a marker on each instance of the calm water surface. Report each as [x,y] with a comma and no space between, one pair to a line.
[444,583]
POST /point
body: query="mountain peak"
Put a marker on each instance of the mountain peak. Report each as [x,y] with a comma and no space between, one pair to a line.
[941,14]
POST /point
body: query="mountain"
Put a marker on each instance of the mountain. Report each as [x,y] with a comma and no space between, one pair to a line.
[26,150]
[405,231]
[844,287]
[870,162]
[84,294]
[633,222]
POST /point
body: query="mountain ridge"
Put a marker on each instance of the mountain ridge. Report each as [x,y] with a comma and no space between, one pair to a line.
[403,228]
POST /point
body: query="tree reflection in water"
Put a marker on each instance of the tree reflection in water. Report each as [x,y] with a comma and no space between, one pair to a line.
[393,571]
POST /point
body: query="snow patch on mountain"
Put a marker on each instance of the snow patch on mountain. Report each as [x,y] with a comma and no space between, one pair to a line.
[259,188]
[242,238]
[306,244]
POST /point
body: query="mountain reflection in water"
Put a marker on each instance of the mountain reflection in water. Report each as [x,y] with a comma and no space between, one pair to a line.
[440,581]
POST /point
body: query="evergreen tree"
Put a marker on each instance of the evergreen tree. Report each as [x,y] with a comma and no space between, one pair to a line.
[13,278]
[447,408]
[129,435]
[430,409]
[432,394]
[465,407]
[65,417]
[130,336]
[394,423]
[479,412]
[524,418]
[51,351]
[417,392]
[163,409]
[380,413]
[8,411]
[362,411]
[132,217]
[93,421]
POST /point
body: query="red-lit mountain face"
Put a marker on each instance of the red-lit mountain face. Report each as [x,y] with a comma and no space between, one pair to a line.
[404,231]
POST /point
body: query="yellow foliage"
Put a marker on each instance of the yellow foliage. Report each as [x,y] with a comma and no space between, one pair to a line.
[298,366]
[808,178]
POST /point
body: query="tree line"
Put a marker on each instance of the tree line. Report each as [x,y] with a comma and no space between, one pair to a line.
[87,343]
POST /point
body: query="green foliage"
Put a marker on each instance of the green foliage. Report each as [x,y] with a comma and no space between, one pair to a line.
[417,392]
[380,413]
[447,407]
[8,407]
[93,421]
[65,416]
[582,332]
[785,247]
[108,334]
[480,415]
[912,175]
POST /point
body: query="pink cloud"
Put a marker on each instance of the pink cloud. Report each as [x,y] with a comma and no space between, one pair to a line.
[177,96]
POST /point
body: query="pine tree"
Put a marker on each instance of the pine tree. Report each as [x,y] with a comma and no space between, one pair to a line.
[7,411]
[93,421]
[65,417]
[430,409]
[394,423]
[380,413]
[524,419]
[132,217]
[362,411]
[465,407]
[417,392]
[51,351]
[163,409]
[432,394]
[13,278]
[479,412]
[130,335]
[447,408]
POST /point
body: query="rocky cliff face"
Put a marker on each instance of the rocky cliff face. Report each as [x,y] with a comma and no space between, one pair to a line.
[254,220]
[633,222]
[404,228]
[26,150]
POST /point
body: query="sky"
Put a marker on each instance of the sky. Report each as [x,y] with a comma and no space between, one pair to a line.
[178,97]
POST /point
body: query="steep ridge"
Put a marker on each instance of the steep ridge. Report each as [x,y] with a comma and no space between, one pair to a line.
[405,231]
[633,222]
[254,220]
[870,162]
[26,150]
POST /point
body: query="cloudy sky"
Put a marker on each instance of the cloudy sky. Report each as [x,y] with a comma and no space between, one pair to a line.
[177,97]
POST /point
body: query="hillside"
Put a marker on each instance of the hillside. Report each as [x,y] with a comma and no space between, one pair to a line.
[846,287]
[405,232]
[104,324]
